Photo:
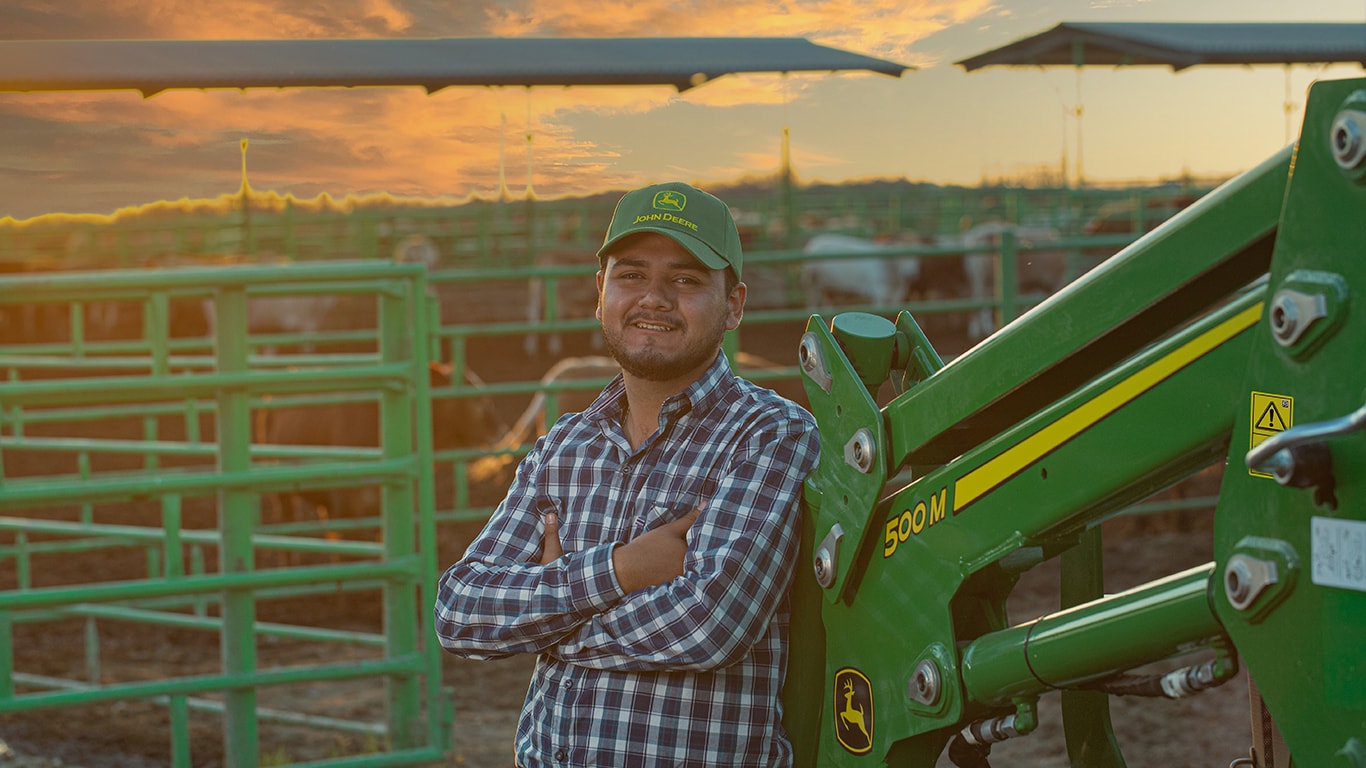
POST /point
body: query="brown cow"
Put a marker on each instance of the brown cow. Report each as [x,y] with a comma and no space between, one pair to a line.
[456,423]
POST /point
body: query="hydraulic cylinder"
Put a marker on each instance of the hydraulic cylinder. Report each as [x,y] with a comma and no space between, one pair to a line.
[1157,621]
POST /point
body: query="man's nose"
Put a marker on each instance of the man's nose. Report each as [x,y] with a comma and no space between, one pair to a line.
[658,293]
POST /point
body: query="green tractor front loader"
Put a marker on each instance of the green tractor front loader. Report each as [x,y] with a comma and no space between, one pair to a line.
[1230,334]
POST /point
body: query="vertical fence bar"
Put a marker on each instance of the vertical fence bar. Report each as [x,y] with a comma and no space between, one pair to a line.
[22,568]
[92,651]
[156,327]
[236,513]
[201,602]
[6,656]
[400,315]
[180,733]
[440,704]
[1007,280]
[170,521]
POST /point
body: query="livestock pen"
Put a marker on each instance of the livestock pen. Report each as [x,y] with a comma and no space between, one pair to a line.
[135,485]
[158,495]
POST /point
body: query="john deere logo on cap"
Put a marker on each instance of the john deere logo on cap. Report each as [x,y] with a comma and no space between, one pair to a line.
[669,200]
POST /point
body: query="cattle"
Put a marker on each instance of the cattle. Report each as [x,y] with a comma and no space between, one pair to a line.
[417,249]
[311,314]
[1037,269]
[490,474]
[1123,216]
[31,322]
[880,280]
[576,297]
[463,422]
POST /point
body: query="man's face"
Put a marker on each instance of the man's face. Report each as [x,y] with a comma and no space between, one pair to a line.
[664,313]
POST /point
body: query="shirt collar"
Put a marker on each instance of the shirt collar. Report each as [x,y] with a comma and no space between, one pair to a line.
[698,396]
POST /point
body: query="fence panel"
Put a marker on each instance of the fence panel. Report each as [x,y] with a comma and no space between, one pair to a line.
[136,474]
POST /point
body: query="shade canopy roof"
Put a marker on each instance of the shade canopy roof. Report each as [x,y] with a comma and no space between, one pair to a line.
[151,66]
[1181,45]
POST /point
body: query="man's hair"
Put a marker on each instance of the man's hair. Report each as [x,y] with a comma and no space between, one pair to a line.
[731,280]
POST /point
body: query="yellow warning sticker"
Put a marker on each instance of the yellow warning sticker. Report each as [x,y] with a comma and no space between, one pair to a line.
[1271,415]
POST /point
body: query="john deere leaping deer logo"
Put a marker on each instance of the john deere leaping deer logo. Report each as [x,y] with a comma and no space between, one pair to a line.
[853,711]
[670,200]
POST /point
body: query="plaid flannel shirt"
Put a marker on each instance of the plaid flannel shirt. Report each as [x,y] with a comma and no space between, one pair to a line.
[685,673]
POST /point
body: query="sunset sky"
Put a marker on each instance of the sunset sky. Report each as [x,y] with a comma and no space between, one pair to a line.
[98,152]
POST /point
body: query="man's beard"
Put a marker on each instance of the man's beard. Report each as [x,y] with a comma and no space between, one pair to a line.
[653,365]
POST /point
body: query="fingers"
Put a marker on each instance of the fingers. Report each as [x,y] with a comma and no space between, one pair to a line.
[551,550]
[682,524]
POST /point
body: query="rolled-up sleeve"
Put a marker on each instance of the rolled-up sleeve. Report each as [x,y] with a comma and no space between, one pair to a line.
[498,600]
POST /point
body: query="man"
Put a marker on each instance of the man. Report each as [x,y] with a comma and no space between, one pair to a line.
[646,545]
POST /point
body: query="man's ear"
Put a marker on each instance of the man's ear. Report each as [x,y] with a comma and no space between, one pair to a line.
[597,311]
[735,306]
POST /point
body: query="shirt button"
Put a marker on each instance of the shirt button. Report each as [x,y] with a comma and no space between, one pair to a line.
[569,685]
[560,755]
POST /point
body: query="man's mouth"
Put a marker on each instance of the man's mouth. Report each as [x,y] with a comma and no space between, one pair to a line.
[650,325]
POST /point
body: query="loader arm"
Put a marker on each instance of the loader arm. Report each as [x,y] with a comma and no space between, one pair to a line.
[1221,329]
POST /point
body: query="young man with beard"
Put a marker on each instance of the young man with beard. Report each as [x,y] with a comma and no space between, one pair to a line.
[646,545]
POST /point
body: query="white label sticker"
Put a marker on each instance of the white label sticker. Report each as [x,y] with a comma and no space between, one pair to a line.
[1338,549]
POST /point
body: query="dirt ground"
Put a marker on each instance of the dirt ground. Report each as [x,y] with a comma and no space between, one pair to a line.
[1208,730]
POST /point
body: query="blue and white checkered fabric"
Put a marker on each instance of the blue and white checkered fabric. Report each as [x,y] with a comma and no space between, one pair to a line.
[684,673]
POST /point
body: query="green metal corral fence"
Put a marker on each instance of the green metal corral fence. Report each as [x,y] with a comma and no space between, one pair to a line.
[141,447]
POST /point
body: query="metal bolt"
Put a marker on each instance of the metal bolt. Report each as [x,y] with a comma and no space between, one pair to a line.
[1285,318]
[826,556]
[812,362]
[1246,578]
[859,451]
[1237,582]
[807,354]
[1348,140]
[1293,312]
[924,685]
[824,567]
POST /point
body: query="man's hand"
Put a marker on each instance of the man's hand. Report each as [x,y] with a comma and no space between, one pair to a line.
[654,557]
[550,542]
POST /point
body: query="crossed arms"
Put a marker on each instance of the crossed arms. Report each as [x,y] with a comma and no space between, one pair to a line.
[690,593]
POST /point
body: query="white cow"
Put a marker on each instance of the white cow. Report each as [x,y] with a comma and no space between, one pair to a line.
[879,280]
[1037,270]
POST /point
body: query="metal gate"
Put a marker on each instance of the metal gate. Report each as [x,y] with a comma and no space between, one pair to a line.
[138,446]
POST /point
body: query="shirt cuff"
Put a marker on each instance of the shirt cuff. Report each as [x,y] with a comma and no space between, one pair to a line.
[594,581]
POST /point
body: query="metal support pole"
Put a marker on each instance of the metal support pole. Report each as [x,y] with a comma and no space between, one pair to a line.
[399,407]
[237,510]
[1086,714]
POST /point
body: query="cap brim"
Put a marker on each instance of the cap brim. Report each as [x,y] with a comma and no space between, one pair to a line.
[700,250]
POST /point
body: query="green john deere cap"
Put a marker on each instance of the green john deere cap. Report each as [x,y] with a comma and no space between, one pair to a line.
[695,219]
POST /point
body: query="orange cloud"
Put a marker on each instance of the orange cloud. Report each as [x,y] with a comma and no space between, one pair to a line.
[876,27]
[401,140]
[263,19]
